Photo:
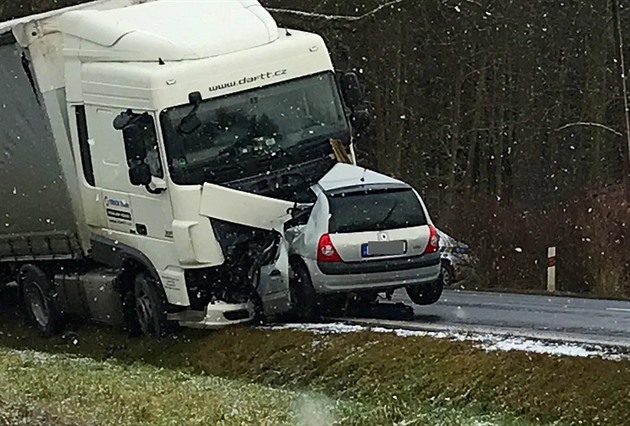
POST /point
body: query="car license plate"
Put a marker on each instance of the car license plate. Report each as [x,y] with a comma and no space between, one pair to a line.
[383,248]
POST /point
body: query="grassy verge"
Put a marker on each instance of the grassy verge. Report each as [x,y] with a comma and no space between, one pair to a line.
[60,390]
[394,379]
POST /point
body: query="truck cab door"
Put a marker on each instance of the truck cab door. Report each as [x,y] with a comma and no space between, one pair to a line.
[139,215]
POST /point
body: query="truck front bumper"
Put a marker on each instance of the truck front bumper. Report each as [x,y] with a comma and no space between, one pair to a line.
[216,315]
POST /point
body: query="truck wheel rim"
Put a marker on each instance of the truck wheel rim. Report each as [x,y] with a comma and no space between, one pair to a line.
[144,309]
[38,304]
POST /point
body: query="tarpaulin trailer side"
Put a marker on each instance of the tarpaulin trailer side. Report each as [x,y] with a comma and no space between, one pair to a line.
[37,218]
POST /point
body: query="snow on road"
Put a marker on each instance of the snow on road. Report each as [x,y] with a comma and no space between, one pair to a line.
[488,342]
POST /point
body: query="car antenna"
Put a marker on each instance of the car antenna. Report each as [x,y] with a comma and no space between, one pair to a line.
[161,61]
[364,172]
[287,32]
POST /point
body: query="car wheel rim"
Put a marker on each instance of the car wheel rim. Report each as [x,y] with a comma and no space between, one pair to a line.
[446,276]
[38,304]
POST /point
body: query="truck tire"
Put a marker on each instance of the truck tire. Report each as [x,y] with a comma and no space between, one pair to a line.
[37,293]
[150,307]
[426,294]
[305,304]
[5,276]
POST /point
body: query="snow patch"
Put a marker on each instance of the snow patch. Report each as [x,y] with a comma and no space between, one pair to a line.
[35,356]
[487,342]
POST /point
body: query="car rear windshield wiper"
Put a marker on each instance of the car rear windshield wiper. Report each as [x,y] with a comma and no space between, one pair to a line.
[387,216]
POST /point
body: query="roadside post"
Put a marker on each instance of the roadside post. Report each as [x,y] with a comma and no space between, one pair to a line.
[551,269]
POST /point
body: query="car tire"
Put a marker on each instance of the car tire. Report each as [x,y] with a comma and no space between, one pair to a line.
[426,294]
[151,307]
[305,304]
[448,274]
[259,309]
[335,304]
[41,309]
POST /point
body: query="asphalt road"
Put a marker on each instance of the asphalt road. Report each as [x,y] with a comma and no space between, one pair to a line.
[557,318]
[543,314]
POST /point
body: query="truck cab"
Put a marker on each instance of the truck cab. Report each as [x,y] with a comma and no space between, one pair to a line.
[194,129]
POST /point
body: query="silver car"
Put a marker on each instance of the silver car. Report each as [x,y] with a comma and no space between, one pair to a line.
[366,233]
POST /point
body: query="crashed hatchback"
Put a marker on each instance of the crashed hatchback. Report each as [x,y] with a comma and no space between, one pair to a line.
[365,234]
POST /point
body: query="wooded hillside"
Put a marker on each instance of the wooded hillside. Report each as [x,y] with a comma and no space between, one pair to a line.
[507,115]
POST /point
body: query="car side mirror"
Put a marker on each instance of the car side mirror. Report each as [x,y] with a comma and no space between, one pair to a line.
[140,174]
[351,90]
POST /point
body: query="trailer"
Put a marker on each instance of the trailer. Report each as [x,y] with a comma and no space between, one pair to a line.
[151,153]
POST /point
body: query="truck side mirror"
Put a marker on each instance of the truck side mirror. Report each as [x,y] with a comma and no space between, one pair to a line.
[140,174]
[123,120]
[351,90]
[360,120]
[189,124]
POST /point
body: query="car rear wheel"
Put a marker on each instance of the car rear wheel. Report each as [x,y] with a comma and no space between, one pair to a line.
[304,301]
[426,294]
[40,307]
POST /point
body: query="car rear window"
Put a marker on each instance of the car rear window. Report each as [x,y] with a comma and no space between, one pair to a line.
[375,211]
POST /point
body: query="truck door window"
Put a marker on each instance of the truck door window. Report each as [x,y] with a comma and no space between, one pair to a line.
[141,144]
[84,145]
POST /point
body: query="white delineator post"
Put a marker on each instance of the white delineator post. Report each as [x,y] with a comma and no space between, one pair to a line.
[551,269]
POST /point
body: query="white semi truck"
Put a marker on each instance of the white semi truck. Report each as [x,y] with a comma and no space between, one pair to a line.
[151,153]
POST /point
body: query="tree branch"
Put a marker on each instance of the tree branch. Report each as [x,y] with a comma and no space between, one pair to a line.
[587,124]
[335,17]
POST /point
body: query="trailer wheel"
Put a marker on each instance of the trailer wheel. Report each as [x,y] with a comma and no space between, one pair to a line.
[304,301]
[5,276]
[38,296]
[150,307]
[426,294]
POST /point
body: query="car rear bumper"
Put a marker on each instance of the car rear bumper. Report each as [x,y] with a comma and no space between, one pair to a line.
[374,278]
[380,266]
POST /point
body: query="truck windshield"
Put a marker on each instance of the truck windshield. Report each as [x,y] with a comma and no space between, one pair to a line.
[249,133]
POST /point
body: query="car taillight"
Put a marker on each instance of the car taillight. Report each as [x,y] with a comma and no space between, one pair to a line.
[433,245]
[326,251]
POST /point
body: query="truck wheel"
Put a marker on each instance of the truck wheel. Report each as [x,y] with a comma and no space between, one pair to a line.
[37,293]
[5,276]
[304,300]
[426,294]
[150,307]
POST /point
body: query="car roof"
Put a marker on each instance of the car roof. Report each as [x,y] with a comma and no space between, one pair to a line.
[370,188]
[347,175]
